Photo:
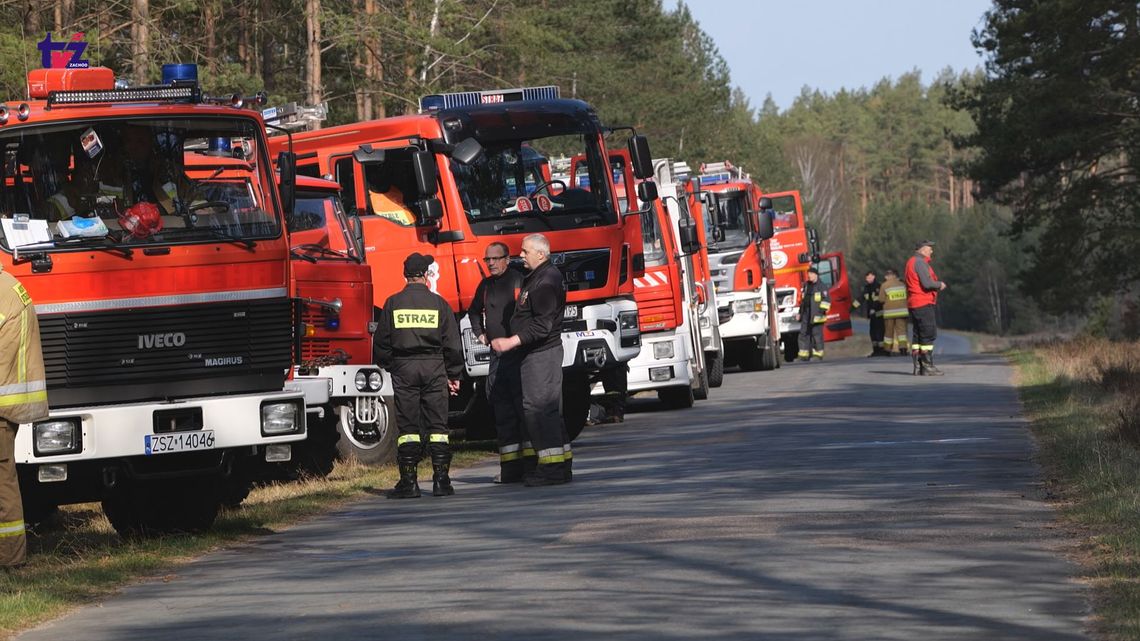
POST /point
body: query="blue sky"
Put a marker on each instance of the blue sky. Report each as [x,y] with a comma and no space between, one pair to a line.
[778,47]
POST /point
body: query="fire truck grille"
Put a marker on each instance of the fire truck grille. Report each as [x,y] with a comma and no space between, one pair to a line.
[166,352]
[656,315]
[583,269]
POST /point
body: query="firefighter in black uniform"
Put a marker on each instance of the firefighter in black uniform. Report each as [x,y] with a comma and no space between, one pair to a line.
[490,313]
[418,343]
[872,307]
[814,304]
[537,333]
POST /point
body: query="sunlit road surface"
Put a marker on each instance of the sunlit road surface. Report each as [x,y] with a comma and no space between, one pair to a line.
[837,500]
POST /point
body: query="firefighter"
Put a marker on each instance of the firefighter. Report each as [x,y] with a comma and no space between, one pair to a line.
[490,313]
[893,295]
[418,343]
[922,288]
[872,306]
[23,399]
[814,303]
[537,332]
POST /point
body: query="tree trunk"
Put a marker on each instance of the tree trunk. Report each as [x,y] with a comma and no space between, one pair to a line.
[140,40]
[268,46]
[32,22]
[427,47]
[313,53]
[209,18]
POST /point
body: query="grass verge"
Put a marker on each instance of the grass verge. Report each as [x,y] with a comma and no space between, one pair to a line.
[1083,397]
[79,558]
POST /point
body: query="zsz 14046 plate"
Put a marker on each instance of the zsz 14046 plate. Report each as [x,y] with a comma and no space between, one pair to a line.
[179,442]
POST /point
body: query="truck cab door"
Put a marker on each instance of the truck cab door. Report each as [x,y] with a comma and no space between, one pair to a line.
[833,273]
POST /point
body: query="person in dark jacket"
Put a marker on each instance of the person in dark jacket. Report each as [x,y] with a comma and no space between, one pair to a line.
[418,343]
[537,333]
[872,307]
[490,314]
[814,304]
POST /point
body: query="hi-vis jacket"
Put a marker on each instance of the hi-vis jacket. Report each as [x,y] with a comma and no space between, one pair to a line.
[815,303]
[23,389]
[892,294]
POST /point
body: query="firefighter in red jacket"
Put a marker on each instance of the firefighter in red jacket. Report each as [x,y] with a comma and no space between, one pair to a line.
[23,399]
[922,288]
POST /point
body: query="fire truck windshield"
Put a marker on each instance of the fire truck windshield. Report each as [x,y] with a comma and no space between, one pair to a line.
[512,180]
[138,181]
[319,219]
[785,213]
[734,230]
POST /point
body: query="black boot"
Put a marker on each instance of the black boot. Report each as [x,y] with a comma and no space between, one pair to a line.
[510,472]
[407,457]
[441,468]
[928,362]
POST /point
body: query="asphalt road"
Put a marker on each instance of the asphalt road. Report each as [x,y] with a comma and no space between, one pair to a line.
[836,500]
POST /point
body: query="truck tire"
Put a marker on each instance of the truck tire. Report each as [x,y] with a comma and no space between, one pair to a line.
[701,391]
[371,444]
[715,369]
[575,404]
[769,356]
[791,346]
[676,398]
[154,508]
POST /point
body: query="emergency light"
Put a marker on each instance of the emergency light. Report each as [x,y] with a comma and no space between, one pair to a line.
[715,179]
[189,93]
[435,102]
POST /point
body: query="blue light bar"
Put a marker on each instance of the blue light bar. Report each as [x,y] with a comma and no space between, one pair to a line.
[718,178]
[435,102]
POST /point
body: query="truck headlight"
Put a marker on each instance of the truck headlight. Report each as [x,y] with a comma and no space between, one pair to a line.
[361,381]
[57,436]
[628,329]
[375,380]
[281,417]
[748,306]
[663,350]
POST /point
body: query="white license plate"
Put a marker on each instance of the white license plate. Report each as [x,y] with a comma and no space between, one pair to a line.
[179,442]
[570,311]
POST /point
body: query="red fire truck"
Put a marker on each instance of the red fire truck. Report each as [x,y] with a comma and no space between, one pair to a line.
[474,168]
[347,396]
[162,290]
[795,248]
[739,255]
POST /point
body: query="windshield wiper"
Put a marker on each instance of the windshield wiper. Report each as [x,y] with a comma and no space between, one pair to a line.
[225,235]
[507,228]
[98,243]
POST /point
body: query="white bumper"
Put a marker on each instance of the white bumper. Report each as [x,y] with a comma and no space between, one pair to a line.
[748,318]
[117,431]
[599,345]
[648,372]
[337,382]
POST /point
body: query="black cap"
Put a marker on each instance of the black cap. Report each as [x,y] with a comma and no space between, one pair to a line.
[813,270]
[923,243]
[417,264]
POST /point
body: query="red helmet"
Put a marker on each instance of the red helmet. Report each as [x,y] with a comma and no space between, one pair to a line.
[141,219]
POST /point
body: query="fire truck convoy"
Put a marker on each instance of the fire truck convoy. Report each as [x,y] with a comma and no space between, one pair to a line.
[347,397]
[474,168]
[739,255]
[162,291]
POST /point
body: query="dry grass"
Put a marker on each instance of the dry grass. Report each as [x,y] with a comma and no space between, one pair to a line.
[1084,398]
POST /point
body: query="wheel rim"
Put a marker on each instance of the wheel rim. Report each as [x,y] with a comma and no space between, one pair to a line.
[349,430]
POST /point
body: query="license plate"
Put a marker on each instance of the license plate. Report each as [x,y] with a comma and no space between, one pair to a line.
[179,442]
[570,311]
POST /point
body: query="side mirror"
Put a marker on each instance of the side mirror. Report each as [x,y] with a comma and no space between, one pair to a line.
[647,191]
[467,151]
[430,212]
[765,228]
[287,166]
[813,244]
[688,239]
[426,173]
[765,203]
[365,154]
[640,158]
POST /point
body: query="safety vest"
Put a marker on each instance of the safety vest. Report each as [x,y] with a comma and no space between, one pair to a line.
[917,296]
[23,388]
[892,294]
